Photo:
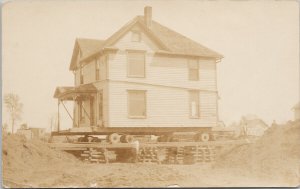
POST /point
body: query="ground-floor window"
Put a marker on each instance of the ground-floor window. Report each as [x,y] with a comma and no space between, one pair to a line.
[100,106]
[194,104]
[136,103]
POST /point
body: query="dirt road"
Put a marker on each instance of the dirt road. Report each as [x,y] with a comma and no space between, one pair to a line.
[271,161]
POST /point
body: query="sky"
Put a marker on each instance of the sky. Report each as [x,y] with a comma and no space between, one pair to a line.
[259,73]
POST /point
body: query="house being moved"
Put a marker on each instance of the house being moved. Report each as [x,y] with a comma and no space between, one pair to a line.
[144,76]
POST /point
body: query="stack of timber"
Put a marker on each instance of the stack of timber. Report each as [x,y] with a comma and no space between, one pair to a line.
[203,153]
[175,155]
[95,155]
[148,154]
[191,154]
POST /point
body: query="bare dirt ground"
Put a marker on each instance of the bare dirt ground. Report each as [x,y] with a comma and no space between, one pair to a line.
[272,161]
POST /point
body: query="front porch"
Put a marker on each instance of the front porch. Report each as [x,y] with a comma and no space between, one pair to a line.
[85,100]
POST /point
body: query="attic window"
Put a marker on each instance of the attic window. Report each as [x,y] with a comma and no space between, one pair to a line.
[136,36]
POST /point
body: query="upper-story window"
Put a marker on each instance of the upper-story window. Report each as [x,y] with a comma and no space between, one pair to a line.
[81,75]
[135,36]
[135,63]
[97,69]
[193,70]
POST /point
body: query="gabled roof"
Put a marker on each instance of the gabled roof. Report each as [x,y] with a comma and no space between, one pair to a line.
[168,40]
[179,44]
[88,46]
[68,93]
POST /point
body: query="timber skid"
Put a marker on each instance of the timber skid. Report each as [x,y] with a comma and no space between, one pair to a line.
[155,152]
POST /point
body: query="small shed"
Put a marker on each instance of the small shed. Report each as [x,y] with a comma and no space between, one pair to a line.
[31,133]
[25,132]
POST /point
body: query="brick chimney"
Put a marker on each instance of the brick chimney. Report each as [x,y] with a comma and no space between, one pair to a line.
[148,16]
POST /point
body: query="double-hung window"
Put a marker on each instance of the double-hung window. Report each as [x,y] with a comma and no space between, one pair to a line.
[136,104]
[135,63]
[193,70]
[194,104]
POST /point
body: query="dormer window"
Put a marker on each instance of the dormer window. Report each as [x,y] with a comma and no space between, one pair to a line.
[136,36]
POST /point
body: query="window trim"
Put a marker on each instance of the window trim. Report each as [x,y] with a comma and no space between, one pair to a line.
[190,105]
[128,104]
[127,56]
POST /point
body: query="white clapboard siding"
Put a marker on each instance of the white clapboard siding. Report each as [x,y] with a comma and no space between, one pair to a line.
[169,71]
[89,70]
[167,107]
[77,77]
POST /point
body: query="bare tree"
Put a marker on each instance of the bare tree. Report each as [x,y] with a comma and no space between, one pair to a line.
[4,128]
[14,107]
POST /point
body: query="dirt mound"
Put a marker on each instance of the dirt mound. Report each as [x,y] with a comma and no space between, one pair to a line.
[276,155]
[21,156]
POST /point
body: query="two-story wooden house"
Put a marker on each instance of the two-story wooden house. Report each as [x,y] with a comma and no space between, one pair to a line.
[145,77]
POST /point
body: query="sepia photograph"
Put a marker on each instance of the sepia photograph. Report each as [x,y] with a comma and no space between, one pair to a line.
[150,93]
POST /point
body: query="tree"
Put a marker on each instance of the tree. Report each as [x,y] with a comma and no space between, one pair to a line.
[4,128]
[14,107]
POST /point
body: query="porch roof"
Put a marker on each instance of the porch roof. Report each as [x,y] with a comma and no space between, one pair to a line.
[71,93]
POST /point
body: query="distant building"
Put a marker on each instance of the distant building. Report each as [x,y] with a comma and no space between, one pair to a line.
[32,132]
[25,132]
[296,110]
[253,126]
[38,132]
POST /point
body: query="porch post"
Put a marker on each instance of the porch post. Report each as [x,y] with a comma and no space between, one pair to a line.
[78,113]
[58,120]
